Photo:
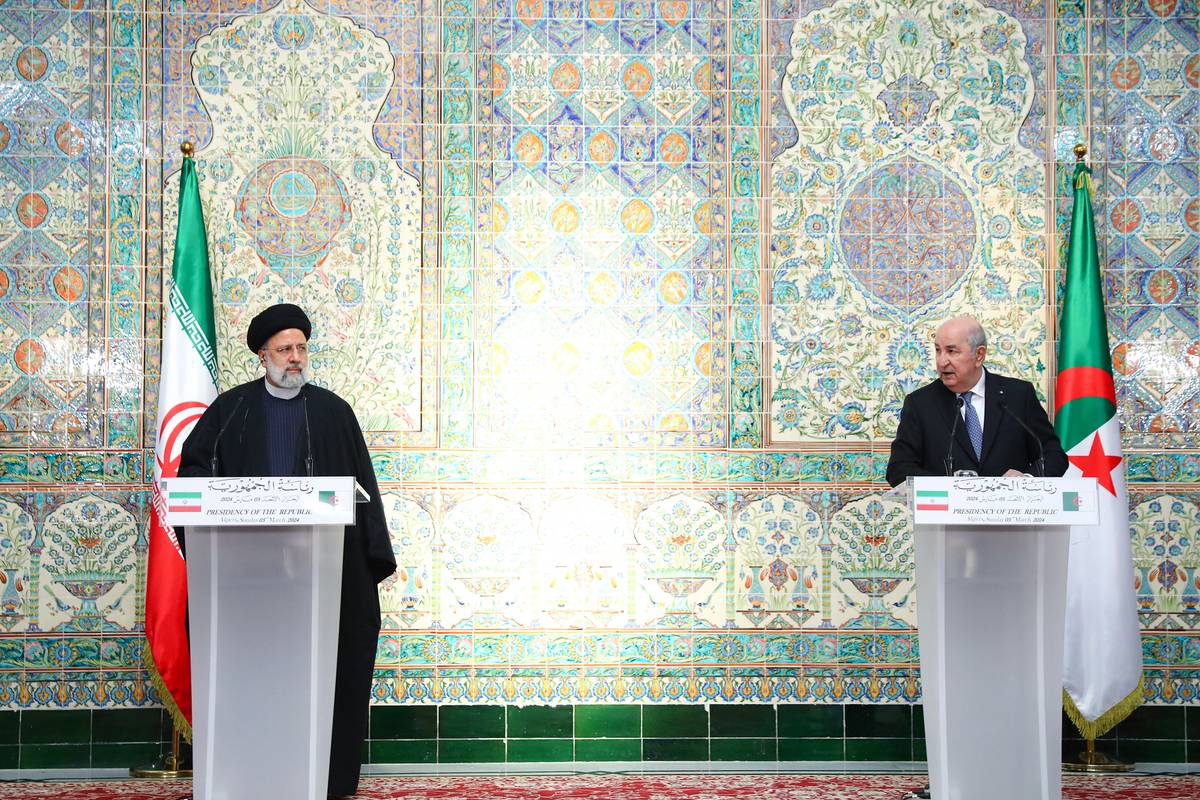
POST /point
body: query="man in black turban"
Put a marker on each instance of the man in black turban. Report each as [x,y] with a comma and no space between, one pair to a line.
[262,428]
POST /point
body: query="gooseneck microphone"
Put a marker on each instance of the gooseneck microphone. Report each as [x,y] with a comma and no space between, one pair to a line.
[212,464]
[1039,463]
[949,461]
[308,457]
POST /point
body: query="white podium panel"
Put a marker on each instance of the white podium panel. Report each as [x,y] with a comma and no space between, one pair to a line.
[263,605]
[991,605]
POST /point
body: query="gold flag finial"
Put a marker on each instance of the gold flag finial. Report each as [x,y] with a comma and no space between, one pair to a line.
[188,148]
[1080,151]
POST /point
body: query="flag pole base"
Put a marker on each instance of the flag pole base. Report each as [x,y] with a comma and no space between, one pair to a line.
[161,774]
[166,771]
[169,767]
[1096,762]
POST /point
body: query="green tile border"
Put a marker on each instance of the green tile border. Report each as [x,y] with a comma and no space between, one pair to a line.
[608,749]
[56,727]
[10,727]
[675,750]
[127,725]
[540,722]
[675,722]
[114,738]
[729,749]
[801,749]
[611,721]
[471,751]
[529,750]
[741,720]
[811,721]
[471,722]
[56,756]
[404,751]
[404,722]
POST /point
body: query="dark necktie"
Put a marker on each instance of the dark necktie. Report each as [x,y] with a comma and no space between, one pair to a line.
[974,429]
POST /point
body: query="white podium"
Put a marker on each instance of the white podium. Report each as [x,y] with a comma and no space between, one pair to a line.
[264,564]
[991,561]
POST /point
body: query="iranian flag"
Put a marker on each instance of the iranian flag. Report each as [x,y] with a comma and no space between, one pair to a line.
[187,386]
[1103,659]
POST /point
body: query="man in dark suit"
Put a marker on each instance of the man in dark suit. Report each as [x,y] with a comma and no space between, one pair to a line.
[1000,422]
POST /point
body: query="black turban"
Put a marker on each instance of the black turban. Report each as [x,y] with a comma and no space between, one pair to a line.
[271,321]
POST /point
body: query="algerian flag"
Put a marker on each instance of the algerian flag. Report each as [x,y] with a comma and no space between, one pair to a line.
[1103,660]
[186,387]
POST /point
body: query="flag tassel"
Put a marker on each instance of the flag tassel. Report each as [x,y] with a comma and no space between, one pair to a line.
[178,720]
[170,766]
[1094,729]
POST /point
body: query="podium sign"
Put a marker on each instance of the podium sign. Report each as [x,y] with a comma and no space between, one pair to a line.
[259,501]
[974,500]
[264,563]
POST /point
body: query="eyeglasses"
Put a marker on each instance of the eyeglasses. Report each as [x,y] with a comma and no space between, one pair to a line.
[287,349]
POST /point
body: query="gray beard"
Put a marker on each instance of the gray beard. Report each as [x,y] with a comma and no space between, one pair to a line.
[283,380]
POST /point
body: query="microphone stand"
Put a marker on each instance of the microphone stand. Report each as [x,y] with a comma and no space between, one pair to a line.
[212,463]
[1039,463]
[949,460]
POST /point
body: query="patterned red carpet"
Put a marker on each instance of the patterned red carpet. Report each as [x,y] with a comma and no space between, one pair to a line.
[628,787]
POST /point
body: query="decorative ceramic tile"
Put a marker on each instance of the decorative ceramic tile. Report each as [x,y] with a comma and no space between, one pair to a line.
[1165,537]
[779,578]
[318,215]
[405,599]
[604,308]
[462,213]
[18,605]
[1148,77]
[912,192]
[88,566]
[51,182]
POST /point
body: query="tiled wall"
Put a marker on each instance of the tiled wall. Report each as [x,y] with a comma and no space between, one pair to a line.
[456,735]
[625,296]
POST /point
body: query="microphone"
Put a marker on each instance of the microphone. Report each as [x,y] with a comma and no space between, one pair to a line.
[949,460]
[1040,462]
[308,458]
[212,464]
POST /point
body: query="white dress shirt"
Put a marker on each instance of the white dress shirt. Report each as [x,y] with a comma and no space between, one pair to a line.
[977,399]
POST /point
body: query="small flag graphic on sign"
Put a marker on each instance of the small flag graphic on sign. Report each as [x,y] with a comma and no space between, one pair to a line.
[1071,501]
[183,501]
[328,498]
[933,500]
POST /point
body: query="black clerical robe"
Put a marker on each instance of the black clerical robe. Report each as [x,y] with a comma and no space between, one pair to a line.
[238,419]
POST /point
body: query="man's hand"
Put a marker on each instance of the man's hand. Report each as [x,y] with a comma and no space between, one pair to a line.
[1015,473]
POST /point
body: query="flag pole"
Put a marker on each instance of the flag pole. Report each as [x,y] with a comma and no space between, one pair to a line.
[171,765]
[1091,760]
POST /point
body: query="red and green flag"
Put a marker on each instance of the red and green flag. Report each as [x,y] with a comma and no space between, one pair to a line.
[186,387]
[1102,670]
[933,500]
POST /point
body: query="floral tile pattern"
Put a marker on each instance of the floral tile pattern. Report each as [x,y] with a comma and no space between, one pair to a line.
[1150,74]
[602,283]
[913,190]
[52,284]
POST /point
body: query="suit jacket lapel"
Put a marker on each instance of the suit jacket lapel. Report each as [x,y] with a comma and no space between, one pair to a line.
[991,414]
